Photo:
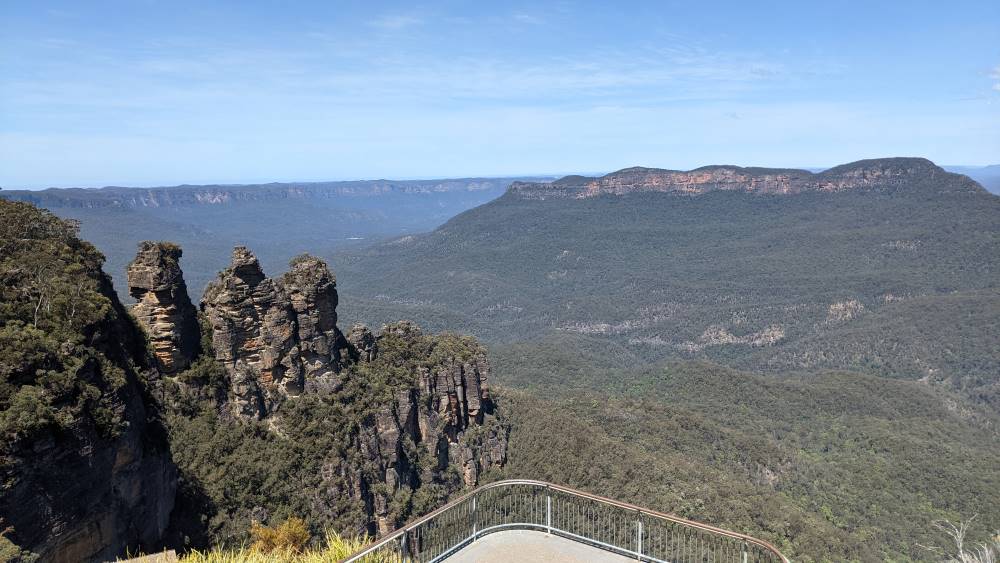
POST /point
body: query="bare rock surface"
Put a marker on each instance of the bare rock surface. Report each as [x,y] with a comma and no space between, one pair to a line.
[163,308]
[875,174]
[274,336]
[442,420]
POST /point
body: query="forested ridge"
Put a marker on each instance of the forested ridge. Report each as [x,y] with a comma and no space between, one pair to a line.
[899,283]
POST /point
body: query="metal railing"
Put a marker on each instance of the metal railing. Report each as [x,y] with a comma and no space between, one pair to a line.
[601,522]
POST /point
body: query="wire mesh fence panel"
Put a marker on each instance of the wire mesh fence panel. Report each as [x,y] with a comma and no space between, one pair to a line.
[390,551]
[506,506]
[449,528]
[600,522]
[595,521]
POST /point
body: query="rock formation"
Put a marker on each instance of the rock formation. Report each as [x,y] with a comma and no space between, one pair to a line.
[86,458]
[84,497]
[443,419]
[430,408]
[86,469]
[363,342]
[274,337]
[882,174]
[163,307]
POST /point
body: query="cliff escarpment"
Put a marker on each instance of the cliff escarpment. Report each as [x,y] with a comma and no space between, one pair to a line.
[876,174]
[116,197]
[85,464]
[385,424]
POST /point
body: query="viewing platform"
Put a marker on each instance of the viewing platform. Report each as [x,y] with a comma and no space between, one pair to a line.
[534,521]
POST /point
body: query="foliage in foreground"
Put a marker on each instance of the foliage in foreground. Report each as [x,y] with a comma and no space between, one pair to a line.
[56,371]
[285,543]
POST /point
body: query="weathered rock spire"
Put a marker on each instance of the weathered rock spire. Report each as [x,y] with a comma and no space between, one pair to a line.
[274,337]
[163,307]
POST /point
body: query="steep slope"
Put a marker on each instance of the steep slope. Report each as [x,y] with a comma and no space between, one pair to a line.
[833,270]
[829,466]
[85,463]
[988,176]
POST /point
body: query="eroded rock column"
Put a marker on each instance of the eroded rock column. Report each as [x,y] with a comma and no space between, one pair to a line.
[163,308]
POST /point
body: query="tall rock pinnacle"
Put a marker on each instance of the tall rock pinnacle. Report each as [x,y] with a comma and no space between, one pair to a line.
[163,307]
[274,337]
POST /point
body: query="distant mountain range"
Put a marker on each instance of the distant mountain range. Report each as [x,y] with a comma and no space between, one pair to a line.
[281,219]
[988,176]
[882,174]
[223,194]
[859,305]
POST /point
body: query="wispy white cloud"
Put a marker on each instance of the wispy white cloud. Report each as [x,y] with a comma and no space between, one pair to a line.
[395,21]
[318,72]
[527,18]
[323,98]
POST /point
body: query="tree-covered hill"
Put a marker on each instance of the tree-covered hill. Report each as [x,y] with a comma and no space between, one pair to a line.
[899,282]
[84,459]
[830,466]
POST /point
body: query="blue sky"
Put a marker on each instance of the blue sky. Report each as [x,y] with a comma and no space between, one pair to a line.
[157,93]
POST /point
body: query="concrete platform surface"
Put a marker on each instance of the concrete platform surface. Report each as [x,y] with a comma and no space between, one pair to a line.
[527,546]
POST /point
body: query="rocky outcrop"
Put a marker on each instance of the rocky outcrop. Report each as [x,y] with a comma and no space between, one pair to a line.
[407,418]
[84,461]
[163,308]
[443,419]
[83,497]
[425,412]
[274,337]
[877,174]
[363,343]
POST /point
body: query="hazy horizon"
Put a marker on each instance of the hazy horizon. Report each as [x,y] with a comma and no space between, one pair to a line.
[150,185]
[141,94]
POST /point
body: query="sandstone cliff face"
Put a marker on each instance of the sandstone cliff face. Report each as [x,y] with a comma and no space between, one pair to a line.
[426,416]
[84,461]
[83,497]
[274,337]
[889,173]
[163,307]
[444,419]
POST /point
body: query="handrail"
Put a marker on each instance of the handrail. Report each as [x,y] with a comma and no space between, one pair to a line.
[397,544]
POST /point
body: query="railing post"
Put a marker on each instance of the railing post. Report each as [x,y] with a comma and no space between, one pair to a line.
[404,546]
[745,554]
[548,512]
[475,523]
[638,534]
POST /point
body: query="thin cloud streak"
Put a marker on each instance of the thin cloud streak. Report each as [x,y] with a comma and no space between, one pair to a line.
[395,21]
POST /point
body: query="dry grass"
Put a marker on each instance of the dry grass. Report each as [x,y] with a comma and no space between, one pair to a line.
[336,548]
